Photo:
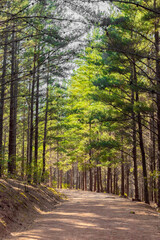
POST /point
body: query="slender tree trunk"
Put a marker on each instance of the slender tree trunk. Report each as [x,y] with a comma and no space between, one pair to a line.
[111,185]
[58,166]
[2,101]
[4,143]
[108,179]
[105,179]
[100,179]
[82,180]
[79,178]
[45,131]
[31,120]
[114,181]
[60,181]
[145,180]
[134,151]
[50,168]
[85,178]
[36,127]
[157,50]
[90,180]
[90,156]
[152,150]
[95,179]
[23,143]
[122,174]
[71,179]
[127,178]
[13,109]
[98,183]
[117,188]
[28,134]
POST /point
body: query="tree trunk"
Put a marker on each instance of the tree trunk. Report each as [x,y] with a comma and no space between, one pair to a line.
[146,195]
[90,156]
[45,132]
[108,179]
[2,101]
[134,150]
[36,127]
[23,143]
[82,180]
[85,179]
[122,173]
[157,50]
[152,151]
[95,179]
[114,181]
[13,109]
[100,179]
[111,182]
[31,120]
[145,180]
[127,178]
[50,168]
[28,134]
[60,181]
[90,179]
[98,184]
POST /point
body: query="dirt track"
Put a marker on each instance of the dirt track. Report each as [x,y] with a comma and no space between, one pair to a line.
[95,216]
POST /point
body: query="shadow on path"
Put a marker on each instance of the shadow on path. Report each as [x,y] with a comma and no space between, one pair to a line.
[95,216]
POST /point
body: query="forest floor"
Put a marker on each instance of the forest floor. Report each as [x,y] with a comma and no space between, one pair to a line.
[21,204]
[94,216]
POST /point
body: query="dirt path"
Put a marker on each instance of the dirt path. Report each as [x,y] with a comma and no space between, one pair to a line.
[95,216]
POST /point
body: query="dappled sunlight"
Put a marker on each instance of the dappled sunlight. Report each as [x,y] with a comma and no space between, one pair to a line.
[78,223]
[86,217]
[77,214]
[122,228]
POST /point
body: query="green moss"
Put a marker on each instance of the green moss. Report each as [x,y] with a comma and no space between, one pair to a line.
[3,222]
[23,194]
[60,195]
[34,197]
[3,185]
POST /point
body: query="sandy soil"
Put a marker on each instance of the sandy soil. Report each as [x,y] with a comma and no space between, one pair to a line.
[95,216]
[20,204]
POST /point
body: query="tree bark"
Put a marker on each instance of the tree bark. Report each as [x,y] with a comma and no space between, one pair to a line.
[145,180]
[134,137]
[85,178]
[108,179]
[157,50]
[13,109]
[98,184]
[28,134]
[127,179]
[45,131]
[90,156]
[122,174]
[95,179]
[100,179]
[23,143]
[31,120]
[2,101]
[36,126]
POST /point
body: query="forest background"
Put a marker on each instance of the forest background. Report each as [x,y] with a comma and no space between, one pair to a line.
[95,128]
